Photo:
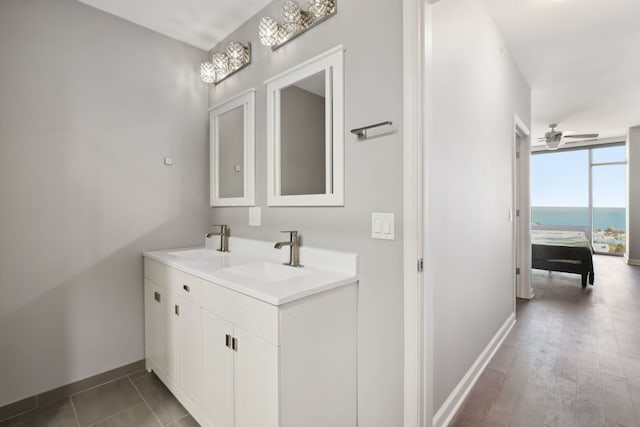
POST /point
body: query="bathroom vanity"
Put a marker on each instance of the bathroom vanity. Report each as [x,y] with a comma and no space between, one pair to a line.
[244,341]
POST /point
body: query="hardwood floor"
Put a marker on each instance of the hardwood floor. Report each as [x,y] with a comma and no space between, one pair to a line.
[573,358]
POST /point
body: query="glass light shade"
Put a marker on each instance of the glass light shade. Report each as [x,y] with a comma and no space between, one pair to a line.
[318,8]
[235,51]
[307,19]
[291,11]
[207,73]
[290,28]
[268,31]
[220,61]
[331,6]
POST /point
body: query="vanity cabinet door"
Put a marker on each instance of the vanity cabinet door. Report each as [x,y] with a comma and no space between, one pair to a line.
[158,328]
[256,381]
[188,348]
[216,373]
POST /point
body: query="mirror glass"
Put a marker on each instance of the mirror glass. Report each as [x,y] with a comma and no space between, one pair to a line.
[231,153]
[305,133]
[232,134]
[303,139]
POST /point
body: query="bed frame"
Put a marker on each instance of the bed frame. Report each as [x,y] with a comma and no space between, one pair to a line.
[563,258]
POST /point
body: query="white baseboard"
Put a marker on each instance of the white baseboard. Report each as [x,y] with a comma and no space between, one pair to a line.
[448,410]
[631,261]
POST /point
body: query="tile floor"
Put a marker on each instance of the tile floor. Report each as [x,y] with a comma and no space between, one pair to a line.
[573,358]
[137,400]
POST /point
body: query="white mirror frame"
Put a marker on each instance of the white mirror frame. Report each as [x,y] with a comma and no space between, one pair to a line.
[332,62]
[247,100]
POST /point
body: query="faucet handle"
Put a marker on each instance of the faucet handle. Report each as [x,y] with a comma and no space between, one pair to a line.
[223,227]
[292,233]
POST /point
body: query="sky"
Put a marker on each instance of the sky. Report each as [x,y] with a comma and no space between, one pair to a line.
[562,179]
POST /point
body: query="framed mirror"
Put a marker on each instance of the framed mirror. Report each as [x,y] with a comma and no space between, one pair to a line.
[232,151]
[305,133]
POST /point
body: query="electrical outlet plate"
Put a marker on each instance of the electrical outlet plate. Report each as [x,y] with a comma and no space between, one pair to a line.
[255,216]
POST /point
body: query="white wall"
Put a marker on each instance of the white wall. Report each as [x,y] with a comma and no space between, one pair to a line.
[477,88]
[89,106]
[633,196]
[372,35]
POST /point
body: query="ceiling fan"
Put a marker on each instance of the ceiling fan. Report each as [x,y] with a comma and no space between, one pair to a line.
[555,138]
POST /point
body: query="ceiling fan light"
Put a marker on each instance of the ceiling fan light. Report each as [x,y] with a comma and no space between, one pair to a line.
[553,144]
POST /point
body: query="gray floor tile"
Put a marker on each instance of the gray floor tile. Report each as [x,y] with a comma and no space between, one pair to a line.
[139,374]
[56,415]
[138,416]
[160,399]
[101,402]
[61,393]
[187,421]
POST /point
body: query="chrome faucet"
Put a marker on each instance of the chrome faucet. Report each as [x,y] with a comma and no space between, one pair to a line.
[294,244]
[224,237]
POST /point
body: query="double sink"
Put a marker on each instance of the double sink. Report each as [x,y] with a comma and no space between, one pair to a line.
[256,269]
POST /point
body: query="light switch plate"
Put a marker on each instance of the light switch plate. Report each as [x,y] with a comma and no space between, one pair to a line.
[255,216]
[383,226]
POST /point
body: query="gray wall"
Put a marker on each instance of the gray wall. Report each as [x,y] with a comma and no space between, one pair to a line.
[373,169]
[477,88]
[89,106]
[633,195]
[303,142]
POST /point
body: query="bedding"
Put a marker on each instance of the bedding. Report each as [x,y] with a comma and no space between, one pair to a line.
[564,251]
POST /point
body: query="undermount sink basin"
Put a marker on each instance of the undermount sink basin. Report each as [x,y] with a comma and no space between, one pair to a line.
[197,253]
[266,272]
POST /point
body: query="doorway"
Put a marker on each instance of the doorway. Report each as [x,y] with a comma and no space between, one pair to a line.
[522,210]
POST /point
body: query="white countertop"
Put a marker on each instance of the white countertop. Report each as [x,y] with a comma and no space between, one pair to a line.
[323,269]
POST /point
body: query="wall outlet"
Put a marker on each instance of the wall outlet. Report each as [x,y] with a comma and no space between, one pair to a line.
[383,226]
[255,216]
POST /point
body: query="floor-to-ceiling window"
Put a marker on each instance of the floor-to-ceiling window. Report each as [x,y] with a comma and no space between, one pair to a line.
[582,189]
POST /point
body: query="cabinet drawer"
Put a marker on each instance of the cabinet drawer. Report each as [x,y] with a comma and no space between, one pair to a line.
[181,283]
[255,316]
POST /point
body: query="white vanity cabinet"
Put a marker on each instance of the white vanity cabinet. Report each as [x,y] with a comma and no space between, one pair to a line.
[237,361]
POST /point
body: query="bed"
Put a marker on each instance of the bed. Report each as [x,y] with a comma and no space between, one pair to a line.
[564,251]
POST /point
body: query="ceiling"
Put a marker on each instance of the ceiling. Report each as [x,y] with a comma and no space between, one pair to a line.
[200,23]
[581,59]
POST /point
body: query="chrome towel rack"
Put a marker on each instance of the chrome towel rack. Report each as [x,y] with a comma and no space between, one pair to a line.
[361,133]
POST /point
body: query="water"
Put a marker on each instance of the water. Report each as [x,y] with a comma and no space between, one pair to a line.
[602,217]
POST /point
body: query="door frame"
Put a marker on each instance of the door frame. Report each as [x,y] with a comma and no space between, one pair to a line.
[418,294]
[521,176]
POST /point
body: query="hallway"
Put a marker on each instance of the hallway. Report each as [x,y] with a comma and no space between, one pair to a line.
[573,358]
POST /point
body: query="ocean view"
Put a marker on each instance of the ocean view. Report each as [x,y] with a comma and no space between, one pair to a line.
[609,224]
[602,217]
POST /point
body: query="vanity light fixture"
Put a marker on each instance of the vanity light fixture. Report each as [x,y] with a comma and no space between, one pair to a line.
[222,65]
[295,21]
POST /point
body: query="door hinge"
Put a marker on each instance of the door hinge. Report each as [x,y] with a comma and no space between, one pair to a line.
[517,212]
[517,155]
[517,270]
[420,265]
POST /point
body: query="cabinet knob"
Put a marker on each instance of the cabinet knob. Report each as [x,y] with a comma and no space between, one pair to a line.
[157,296]
[227,340]
[186,288]
[234,344]
[177,310]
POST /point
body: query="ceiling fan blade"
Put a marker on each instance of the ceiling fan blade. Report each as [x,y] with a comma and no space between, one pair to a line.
[583,135]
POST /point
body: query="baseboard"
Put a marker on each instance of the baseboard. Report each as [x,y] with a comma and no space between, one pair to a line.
[60,393]
[448,410]
[629,261]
